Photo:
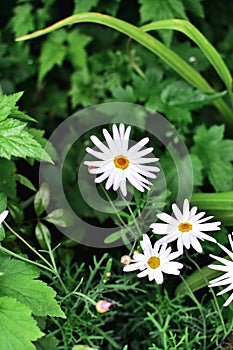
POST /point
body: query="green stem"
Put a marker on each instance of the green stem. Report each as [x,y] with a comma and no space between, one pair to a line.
[9,252]
[132,214]
[29,246]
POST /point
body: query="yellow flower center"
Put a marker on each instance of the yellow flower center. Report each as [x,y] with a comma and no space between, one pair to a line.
[121,162]
[185,227]
[153,262]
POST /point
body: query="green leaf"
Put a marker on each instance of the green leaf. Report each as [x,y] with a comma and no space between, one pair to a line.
[180,94]
[18,282]
[52,53]
[23,20]
[7,177]
[113,237]
[15,113]
[43,235]
[42,199]
[76,48]
[84,5]
[195,6]
[216,156]
[18,327]
[153,10]
[16,141]
[60,217]
[24,181]
[123,94]
[3,200]
[198,280]
[47,343]
[7,104]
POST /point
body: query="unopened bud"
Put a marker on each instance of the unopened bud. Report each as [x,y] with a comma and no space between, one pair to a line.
[125,259]
[103,306]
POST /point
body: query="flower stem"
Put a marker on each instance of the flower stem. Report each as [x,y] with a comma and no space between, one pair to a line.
[29,246]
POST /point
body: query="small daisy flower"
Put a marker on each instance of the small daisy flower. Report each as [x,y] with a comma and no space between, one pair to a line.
[103,306]
[119,163]
[227,267]
[3,215]
[187,227]
[154,261]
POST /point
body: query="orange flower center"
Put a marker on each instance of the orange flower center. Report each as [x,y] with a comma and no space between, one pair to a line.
[185,227]
[121,162]
[153,262]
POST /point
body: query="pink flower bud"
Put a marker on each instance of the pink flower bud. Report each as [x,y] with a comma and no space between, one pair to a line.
[125,259]
[103,306]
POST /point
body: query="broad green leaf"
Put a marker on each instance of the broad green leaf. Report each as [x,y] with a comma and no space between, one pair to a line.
[24,181]
[76,48]
[42,199]
[23,20]
[2,233]
[16,141]
[84,5]
[7,177]
[153,10]
[60,217]
[18,282]
[43,235]
[152,44]
[18,327]
[53,53]
[123,94]
[198,280]
[7,104]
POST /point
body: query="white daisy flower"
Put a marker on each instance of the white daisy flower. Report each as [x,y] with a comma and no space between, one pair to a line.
[3,215]
[119,163]
[227,267]
[187,227]
[154,261]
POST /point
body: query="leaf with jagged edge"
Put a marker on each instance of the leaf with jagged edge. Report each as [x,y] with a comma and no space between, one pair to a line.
[18,327]
[18,281]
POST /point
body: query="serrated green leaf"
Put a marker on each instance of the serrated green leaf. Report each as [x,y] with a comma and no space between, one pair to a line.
[41,232]
[76,48]
[18,327]
[18,282]
[15,113]
[7,104]
[60,217]
[16,141]
[180,94]
[24,181]
[52,53]
[123,94]
[7,178]
[84,5]
[23,20]
[216,155]
[42,199]
[153,10]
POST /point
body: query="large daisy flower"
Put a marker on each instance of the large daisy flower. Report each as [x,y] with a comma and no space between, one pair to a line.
[227,267]
[154,261]
[119,163]
[186,227]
